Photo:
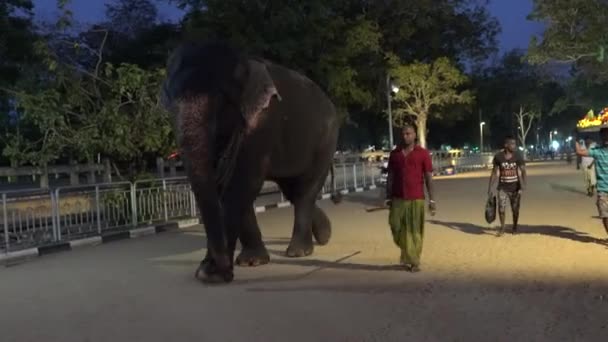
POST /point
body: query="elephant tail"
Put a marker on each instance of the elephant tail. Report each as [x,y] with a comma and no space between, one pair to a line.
[336,196]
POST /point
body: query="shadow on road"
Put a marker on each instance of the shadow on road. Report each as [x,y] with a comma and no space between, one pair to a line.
[566,188]
[318,265]
[335,264]
[548,230]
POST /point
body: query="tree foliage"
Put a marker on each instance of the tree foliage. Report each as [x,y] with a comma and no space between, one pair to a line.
[78,93]
[575,30]
[426,89]
[79,112]
[348,46]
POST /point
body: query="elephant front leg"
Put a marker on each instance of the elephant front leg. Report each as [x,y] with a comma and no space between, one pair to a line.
[253,252]
[301,240]
[217,266]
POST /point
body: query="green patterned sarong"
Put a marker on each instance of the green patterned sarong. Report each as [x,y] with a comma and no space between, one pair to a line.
[406,219]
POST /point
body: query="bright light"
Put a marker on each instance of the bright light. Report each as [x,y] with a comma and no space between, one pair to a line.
[521,148]
[554,132]
[532,147]
[569,139]
[555,145]
[395,89]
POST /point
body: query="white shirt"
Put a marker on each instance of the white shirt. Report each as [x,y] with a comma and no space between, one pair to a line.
[586,161]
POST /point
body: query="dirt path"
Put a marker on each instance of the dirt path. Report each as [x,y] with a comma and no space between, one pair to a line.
[549,283]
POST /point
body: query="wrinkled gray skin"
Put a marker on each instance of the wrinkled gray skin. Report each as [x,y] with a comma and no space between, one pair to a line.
[240,121]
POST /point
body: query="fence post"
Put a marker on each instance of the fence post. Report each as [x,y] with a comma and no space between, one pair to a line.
[192,204]
[5,219]
[98,209]
[355,175]
[133,204]
[334,183]
[344,175]
[364,174]
[165,211]
[56,214]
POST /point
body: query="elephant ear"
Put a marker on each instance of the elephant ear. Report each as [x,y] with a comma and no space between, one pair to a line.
[258,90]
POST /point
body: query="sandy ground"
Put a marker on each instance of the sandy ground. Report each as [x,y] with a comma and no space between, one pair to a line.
[549,283]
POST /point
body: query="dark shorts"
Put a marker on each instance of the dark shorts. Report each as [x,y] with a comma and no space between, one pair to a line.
[512,197]
[602,204]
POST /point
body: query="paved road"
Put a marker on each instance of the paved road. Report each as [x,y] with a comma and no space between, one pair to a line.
[549,283]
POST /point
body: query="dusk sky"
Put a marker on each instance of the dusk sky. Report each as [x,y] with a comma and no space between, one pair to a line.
[516,30]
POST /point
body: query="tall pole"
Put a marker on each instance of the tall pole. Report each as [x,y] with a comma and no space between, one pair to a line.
[480,133]
[390,113]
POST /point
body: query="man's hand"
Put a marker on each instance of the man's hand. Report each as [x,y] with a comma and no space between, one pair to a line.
[432,207]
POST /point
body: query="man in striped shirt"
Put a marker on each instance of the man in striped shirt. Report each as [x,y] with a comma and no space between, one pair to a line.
[510,169]
[600,156]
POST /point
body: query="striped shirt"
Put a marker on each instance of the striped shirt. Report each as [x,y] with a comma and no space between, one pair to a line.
[600,154]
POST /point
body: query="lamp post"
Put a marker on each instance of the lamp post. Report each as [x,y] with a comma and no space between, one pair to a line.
[481,124]
[551,134]
[390,89]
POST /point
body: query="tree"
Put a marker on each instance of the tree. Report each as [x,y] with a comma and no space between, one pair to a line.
[525,117]
[576,32]
[347,46]
[82,109]
[510,83]
[425,89]
[17,39]
[313,37]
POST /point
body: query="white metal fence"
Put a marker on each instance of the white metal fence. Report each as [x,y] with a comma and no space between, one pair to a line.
[33,218]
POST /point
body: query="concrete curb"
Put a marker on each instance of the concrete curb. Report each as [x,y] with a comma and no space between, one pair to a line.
[12,258]
[17,257]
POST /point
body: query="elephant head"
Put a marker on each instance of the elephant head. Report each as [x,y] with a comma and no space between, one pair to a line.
[217,97]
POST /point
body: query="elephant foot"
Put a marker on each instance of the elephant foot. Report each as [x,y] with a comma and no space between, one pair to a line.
[321,232]
[321,227]
[211,273]
[298,250]
[253,257]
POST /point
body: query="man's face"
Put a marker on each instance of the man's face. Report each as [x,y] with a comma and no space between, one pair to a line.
[409,135]
[510,145]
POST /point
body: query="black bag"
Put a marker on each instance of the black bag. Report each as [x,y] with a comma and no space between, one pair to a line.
[491,209]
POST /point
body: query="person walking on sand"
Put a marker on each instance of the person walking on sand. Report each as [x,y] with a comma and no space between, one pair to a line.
[409,167]
[600,157]
[510,170]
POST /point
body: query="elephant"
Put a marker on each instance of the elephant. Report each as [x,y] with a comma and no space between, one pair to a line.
[241,120]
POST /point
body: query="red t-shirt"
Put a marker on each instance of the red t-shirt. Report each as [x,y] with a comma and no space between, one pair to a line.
[408,172]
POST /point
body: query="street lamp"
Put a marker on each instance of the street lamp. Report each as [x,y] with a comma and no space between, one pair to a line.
[481,124]
[391,89]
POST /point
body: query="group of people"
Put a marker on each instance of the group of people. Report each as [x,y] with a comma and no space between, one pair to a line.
[410,169]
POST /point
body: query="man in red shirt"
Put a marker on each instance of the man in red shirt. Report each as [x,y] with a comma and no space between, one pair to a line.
[409,167]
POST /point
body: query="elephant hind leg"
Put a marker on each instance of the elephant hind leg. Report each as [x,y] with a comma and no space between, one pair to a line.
[321,226]
[309,219]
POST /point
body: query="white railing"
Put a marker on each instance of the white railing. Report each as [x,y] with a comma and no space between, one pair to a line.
[33,218]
